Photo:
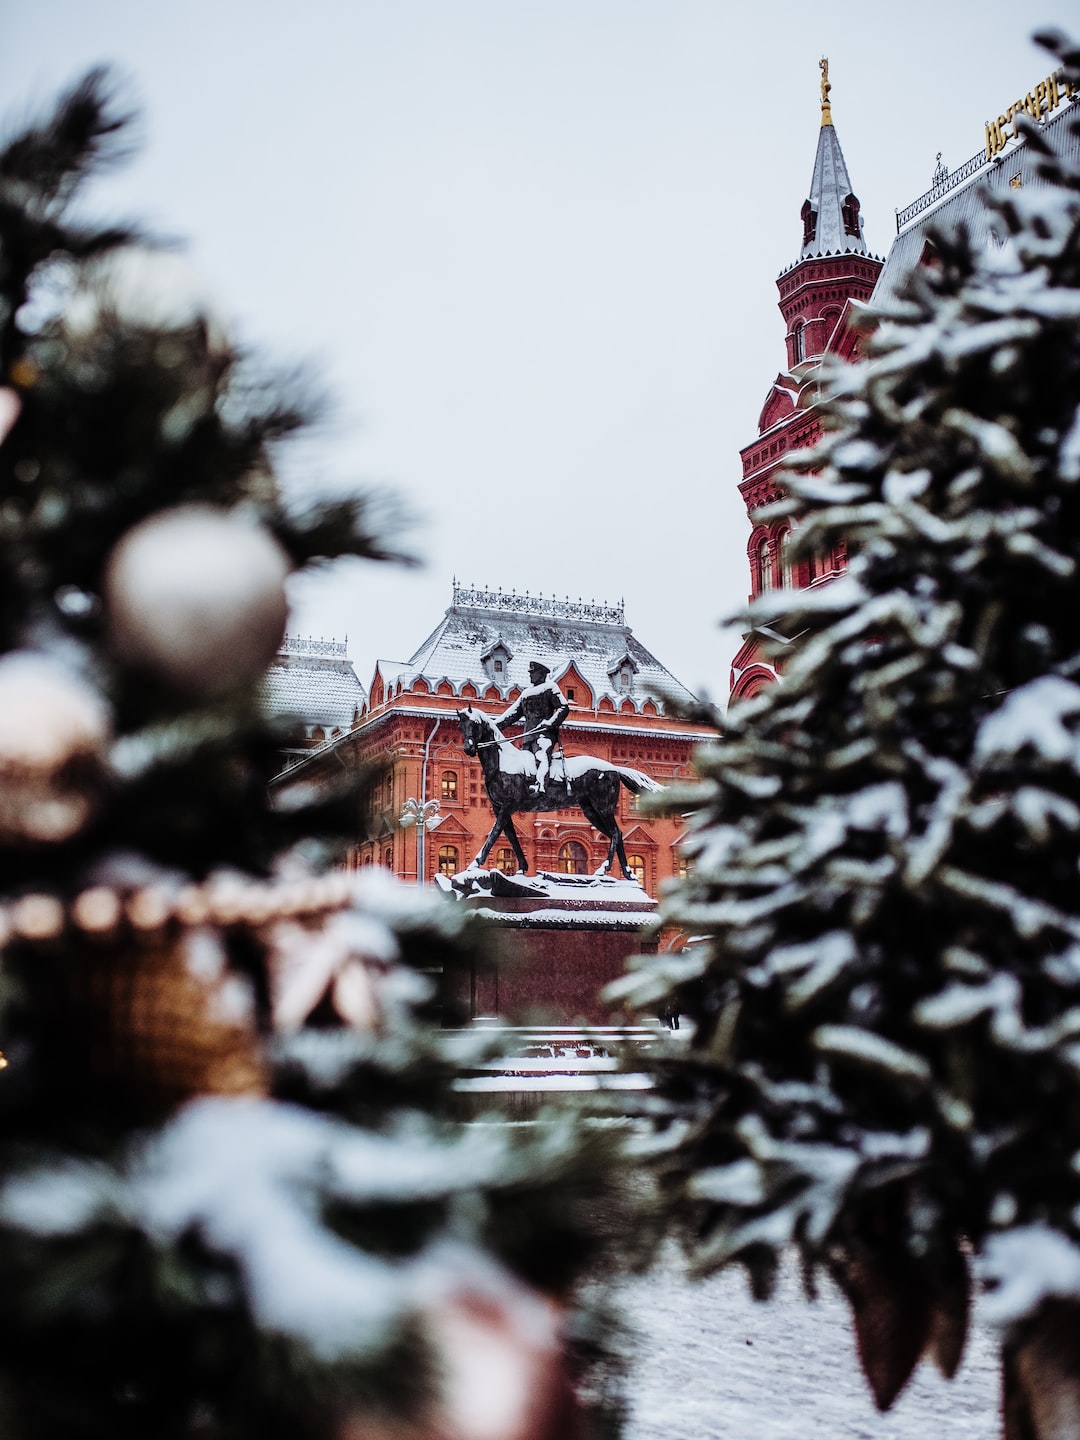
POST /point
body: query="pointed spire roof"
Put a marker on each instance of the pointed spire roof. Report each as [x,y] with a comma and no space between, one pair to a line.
[831,220]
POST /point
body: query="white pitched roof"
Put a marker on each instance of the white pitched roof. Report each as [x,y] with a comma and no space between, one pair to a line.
[313,681]
[961,200]
[557,632]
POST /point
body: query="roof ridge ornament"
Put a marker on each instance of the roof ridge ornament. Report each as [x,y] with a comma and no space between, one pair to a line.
[826,108]
[299,645]
[507,602]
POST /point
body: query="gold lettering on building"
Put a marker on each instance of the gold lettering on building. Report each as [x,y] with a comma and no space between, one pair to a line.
[1047,95]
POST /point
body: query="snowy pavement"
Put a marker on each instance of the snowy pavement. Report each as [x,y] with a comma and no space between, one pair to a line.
[714,1365]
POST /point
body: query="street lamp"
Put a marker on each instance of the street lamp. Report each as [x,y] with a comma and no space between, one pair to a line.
[423,814]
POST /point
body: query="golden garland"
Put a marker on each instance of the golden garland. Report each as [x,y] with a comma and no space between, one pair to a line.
[223,899]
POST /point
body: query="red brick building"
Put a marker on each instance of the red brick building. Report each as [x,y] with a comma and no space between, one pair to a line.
[833,277]
[834,274]
[478,654]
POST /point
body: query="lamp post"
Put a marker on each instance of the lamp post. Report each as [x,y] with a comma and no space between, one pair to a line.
[422,814]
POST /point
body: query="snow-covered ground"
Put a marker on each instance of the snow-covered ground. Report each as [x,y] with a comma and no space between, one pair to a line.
[714,1365]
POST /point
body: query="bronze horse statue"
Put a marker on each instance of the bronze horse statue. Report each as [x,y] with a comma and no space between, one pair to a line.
[582,780]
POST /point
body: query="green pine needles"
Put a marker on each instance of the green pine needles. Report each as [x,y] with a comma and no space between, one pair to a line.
[217,1220]
[886,862]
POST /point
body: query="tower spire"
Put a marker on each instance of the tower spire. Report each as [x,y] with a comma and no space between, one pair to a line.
[830,215]
[826,108]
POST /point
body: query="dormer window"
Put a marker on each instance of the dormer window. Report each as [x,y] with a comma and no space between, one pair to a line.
[809,221]
[849,213]
[622,672]
[496,661]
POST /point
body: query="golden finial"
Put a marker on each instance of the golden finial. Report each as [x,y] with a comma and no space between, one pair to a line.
[826,109]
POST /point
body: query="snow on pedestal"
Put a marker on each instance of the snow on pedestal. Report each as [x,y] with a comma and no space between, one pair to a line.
[560,940]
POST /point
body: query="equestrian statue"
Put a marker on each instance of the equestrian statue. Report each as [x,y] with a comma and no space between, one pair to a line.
[531,779]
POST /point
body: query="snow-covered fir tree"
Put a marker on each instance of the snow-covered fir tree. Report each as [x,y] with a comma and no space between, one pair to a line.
[885,1071]
[215,1220]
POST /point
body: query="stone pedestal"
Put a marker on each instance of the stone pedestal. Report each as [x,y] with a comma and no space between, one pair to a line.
[558,940]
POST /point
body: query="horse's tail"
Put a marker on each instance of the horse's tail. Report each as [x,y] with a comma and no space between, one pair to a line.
[636,781]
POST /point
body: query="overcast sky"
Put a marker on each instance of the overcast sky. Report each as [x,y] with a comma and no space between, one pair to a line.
[531,248]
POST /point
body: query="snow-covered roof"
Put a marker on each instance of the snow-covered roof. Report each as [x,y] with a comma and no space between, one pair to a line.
[964,203]
[592,637]
[314,681]
[830,188]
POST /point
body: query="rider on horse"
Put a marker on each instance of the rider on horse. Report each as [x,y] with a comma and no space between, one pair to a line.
[543,708]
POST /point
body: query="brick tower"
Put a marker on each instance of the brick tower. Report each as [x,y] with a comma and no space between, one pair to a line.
[834,273]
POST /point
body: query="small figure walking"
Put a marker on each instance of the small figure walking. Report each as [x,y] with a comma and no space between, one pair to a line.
[671,1015]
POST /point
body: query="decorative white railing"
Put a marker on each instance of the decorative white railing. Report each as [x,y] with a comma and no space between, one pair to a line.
[936,192]
[549,607]
[298,645]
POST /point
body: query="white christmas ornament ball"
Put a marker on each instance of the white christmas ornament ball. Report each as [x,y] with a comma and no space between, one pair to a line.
[196,596]
[54,729]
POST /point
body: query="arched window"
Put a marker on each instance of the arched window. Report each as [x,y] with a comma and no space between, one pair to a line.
[682,866]
[449,785]
[504,860]
[636,866]
[388,858]
[785,559]
[798,343]
[765,564]
[573,859]
[821,563]
[448,859]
